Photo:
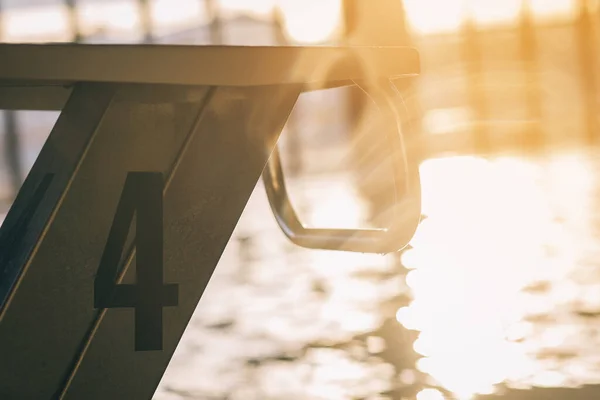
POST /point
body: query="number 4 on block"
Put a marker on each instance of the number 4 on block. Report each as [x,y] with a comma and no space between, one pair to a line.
[142,196]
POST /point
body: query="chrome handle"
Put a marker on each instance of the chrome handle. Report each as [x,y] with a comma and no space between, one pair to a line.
[407,191]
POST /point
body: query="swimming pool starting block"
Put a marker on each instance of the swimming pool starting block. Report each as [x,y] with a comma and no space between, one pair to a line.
[124,215]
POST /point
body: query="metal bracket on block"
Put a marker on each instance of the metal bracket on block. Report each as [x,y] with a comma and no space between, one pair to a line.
[120,223]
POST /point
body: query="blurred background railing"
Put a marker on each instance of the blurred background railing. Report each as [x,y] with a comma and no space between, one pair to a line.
[498,291]
[497,76]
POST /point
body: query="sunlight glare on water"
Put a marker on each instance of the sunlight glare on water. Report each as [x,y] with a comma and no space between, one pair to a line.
[429,394]
[492,270]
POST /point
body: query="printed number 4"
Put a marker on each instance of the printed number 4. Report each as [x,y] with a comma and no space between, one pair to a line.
[142,195]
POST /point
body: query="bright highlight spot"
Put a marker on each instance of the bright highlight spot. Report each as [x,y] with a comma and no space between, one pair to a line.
[430,394]
[495,228]
[311,21]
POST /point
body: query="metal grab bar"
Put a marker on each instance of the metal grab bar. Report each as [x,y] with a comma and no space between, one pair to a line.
[407,192]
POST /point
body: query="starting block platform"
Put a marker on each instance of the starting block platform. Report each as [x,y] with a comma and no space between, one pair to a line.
[123,217]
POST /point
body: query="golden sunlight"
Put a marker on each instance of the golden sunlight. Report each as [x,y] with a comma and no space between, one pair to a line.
[492,232]
[306,21]
[449,15]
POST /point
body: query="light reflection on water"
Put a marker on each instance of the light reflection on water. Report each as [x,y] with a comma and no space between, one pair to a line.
[277,321]
[500,288]
[504,286]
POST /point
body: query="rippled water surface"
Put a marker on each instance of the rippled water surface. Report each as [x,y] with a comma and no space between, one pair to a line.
[499,291]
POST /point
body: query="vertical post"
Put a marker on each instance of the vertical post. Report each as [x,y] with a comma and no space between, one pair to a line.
[145,11]
[378,22]
[586,47]
[73,17]
[476,95]
[294,155]
[12,148]
[374,23]
[529,55]
[215,25]
[351,22]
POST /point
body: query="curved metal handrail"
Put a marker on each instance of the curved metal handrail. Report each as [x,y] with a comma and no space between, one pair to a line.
[407,192]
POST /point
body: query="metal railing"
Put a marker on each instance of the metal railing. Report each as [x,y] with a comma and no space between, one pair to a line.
[528,84]
[500,114]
